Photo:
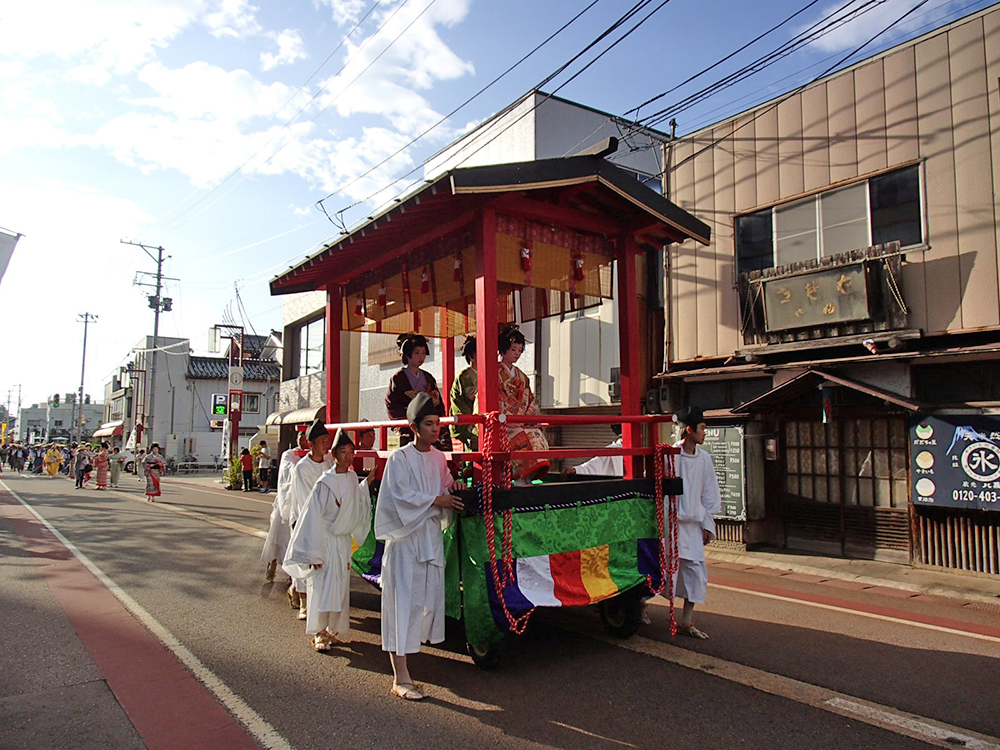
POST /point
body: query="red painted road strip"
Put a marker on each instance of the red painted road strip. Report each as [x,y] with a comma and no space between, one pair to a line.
[872,609]
[167,706]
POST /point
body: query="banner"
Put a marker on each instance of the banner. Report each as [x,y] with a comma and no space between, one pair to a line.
[956,461]
[7,242]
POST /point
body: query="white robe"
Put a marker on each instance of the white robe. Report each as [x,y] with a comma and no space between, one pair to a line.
[605,466]
[279,531]
[305,474]
[336,511]
[697,507]
[413,562]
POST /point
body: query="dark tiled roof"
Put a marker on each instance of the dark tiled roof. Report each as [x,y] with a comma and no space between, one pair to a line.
[217,368]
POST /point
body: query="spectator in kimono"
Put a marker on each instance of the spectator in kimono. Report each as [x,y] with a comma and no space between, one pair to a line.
[115,462]
[516,398]
[410,380]
[102,464]
[153,466]
[463,397]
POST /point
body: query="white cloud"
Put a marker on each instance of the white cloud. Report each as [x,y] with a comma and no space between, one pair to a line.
[233,18]
[100,35]
[344,11]
[290,49]
[859,28]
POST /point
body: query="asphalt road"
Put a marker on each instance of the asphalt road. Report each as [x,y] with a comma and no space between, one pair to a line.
[778,649]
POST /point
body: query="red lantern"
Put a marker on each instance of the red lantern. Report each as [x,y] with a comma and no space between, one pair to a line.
[425,280]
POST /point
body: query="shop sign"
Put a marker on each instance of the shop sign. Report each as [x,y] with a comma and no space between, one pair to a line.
[955,462]
[818,298]
[725,445]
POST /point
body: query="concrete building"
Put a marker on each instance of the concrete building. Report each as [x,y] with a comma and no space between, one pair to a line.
[182,418]
[849,305]
[39,422]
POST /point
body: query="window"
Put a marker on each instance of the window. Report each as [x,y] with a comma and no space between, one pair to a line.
[251,403]
[312,347]
[58,423]
[875,211]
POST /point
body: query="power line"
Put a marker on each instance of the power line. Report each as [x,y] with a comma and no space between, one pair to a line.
[796,90]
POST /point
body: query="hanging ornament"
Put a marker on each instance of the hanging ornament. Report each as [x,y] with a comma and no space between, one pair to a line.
[578,268]
[357,306]
[457,273]
[526,264]
[425,280]
[381,296]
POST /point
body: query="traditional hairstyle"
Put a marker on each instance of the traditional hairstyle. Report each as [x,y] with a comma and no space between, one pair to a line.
[469,349]
[510,333]
[407,342]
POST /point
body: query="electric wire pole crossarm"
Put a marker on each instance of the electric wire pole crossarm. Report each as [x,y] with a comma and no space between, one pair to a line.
[159,304]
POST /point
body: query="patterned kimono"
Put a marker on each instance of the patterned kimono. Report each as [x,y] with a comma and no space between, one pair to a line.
[153,466]
[399,394]
[463,401]
[101,464]
[516,398]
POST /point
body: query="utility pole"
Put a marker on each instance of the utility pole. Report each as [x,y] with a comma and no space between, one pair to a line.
[86,318]
[159,304]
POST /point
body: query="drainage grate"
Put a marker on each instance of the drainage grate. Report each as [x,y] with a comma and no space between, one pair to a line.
[993,607]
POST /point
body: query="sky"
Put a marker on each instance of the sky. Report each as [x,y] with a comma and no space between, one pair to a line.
[212,128]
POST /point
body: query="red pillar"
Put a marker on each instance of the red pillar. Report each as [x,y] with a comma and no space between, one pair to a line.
[334,315]
[447,370]
[628,347]
[486,311]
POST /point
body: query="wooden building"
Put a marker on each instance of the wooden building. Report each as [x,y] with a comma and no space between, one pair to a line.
[851,289]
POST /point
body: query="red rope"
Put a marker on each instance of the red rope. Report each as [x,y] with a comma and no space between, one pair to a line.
[494,430]
[664,466]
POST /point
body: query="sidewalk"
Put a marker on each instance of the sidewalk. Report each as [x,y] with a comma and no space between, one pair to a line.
[936,582]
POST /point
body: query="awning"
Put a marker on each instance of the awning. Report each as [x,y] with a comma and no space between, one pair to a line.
[811,381]
[110,428]
[306,415]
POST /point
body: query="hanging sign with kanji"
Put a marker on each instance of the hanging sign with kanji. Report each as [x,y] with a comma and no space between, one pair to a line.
[818,298]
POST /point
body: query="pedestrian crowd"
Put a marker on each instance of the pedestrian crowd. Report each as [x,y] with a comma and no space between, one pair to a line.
[86,463]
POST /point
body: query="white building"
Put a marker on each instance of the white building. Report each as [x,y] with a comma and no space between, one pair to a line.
[40,422]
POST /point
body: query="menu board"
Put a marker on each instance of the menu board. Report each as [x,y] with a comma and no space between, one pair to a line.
[725,444]
[955,462]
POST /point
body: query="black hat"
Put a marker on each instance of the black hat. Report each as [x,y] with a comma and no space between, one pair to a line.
[421,405]
[341,438]
[691,417]
[316,430]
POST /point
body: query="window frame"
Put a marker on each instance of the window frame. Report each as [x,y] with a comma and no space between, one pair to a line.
[300,363]
[816,197]
[244,409]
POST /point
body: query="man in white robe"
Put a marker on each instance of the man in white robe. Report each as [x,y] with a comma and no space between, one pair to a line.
[320,548]
[696,510]
[602,466]
[414,506]
[279,531]
[304,477]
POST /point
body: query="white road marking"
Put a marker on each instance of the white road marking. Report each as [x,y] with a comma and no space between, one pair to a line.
[858,613]
[256,725]
[591,734]
[884,717]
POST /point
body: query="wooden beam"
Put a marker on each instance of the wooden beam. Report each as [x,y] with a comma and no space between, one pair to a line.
[628,337]
[334,304]
[551,213]
[486,311]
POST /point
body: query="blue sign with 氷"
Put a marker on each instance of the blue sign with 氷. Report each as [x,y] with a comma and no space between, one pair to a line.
[955,462]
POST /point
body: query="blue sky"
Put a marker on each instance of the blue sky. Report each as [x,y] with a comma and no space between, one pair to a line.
[164,121]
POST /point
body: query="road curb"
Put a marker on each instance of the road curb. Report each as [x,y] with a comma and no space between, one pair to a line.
[751,560]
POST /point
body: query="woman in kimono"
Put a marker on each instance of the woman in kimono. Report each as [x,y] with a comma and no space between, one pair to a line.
[410,380]
[463,397]
[414,507]
[516,398]
[53,460]
[101,463]
[153,466]
[320,548]
[115,462]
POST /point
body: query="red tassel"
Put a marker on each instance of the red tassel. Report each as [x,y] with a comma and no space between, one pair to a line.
[578,268]
[357,306]
[526,264]
[425,281]
[457,274]
[381,296]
